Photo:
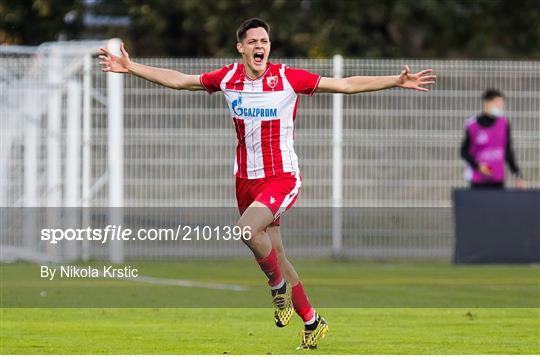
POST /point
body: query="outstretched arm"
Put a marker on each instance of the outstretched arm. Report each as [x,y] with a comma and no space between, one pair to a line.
[359,84]
[164,77]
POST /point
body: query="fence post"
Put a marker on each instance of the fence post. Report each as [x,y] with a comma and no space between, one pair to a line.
[31,145]
[115,113]
[72,173]
[54,125]
[86,151]
[54,143]
[73,145]
[337,168]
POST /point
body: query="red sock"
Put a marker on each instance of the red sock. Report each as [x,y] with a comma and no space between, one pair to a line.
[301,303]
[270,267]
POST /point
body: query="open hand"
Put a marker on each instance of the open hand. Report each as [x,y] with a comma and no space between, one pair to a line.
[112,63]
[520,183]
[416,81]
[485,169]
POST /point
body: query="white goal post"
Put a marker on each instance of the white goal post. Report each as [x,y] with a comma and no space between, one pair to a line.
[54,107]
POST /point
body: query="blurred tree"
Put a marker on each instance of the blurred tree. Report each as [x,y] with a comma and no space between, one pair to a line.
[31,22]
[301,28]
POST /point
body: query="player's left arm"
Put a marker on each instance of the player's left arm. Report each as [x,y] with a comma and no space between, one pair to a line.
[358,84]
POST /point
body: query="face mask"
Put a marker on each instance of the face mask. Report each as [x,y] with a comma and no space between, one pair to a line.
[496,112]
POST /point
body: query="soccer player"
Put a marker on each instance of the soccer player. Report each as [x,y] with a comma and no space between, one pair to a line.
[487,144]
[262,98]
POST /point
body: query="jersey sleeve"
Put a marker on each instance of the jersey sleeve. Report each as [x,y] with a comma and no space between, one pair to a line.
[211,80]
[302,81]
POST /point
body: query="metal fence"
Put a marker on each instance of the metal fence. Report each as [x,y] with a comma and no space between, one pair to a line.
[400,148]
[392,165]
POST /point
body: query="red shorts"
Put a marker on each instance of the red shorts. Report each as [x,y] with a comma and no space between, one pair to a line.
[278,192]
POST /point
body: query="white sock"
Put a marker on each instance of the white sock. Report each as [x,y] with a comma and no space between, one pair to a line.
[312,320]
[278,286]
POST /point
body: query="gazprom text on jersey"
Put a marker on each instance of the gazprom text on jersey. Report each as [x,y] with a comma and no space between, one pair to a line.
[257,112]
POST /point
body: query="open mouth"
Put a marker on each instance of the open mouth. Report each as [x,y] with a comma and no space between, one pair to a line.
[258,57]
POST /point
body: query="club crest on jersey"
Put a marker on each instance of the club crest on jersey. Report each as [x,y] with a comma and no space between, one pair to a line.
[272,81]
[482,138]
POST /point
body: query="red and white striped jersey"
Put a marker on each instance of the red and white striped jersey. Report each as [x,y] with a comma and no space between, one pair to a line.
[263,111]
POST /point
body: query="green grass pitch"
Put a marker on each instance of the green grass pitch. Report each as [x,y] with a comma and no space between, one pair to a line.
[372,308]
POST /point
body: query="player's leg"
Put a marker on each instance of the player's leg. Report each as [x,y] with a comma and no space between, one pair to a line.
[253,222]
[287,268]
[315,326]
[256,219]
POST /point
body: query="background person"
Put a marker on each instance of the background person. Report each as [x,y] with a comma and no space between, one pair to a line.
[487,145]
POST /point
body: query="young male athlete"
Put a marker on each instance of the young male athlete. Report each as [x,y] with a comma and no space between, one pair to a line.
[262,99]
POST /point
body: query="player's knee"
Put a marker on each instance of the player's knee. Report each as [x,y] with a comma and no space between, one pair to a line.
[247,232]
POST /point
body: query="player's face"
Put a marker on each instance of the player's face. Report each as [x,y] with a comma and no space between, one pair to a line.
[255,49]
[494,106]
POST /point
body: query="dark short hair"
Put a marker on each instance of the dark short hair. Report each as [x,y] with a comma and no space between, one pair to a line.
[250,24]
[491,93]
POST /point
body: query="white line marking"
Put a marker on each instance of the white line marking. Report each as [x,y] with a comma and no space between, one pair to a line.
[179,282]
[185,283]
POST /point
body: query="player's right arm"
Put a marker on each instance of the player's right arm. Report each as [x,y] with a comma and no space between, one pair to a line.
[161,76]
